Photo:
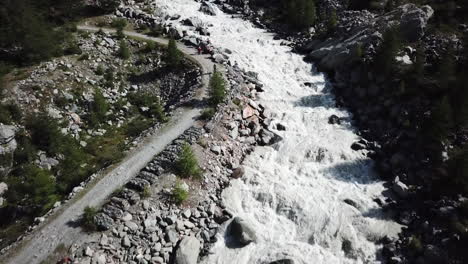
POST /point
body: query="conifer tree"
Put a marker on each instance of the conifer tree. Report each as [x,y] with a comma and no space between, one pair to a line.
[389,48]
[173,54]
[187,164]
[217,88]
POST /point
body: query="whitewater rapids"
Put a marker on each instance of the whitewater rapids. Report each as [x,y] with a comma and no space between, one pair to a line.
[293,195]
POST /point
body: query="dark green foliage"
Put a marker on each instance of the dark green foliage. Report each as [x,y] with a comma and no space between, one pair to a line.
[45,133]
[439,124]
[150,46]
[108,6]
[136,126]
[100,70]
[208,113]
[332,21]
[146,193]
[299,14]
[124,51]
[174,56]
[415,244]
[25,152]
[119,23]
[179,194]
[459,171]
[98,109]
[109,77]
[28,32]
[187,164]
[87,220]
[150,101]
[217,88]
[120,34]
[106,149]
[9,113]
[385,58]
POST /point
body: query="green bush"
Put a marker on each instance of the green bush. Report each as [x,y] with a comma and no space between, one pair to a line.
[45,133]
[150,101]
[106,149]
[146,193]
[135,127]
[119,23]
[124,51]
[100,70]
[208,113]
[150,46]
[385,57]
[98,110]
[217,88]
[415,244]
[179,194]
[87,219]
[41,186]
[300,14]
[120,34]
[187,164]
[109,77]
[9,113]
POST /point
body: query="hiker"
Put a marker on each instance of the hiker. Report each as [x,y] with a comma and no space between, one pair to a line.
[199,49]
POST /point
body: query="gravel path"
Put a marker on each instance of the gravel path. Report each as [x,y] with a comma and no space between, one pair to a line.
[61,228]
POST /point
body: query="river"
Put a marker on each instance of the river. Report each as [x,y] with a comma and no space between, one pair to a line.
[293,194]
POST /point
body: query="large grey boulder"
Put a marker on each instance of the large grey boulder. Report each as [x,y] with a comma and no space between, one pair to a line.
[363,29]
[103,222]
[188,251]
[400,188]
[241,232]
[7,139]
[209,9]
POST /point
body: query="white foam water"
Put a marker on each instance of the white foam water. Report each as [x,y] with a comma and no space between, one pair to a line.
[293,194]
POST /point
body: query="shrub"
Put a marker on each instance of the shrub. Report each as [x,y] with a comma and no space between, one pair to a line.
[415,244]
[124,51]
[136,126]
[150,101]
[45,133]
[385,57]
[146,193]
[173,57]
[119,33]
[40,186]
[217,88]
[98,109]
[208,113]
[119,23]
[150,46]
[179,194]
[299,14]
[87,219]
[107,149]
[99,70]
[332,21]
[187,164]
[109,77]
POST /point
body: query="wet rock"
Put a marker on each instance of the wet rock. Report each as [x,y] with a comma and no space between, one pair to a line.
[268,138]
[283,261]
[358,146]
[188,251]
[400,188]
[3,188]
[334,120]
[209,9]
[238,173]
[241,232]
[280,127]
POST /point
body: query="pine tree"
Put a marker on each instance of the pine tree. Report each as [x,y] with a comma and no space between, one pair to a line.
[300,14]
[438,126]
[332,21]
[124,51]
[391,44]
[187,164]
[217,88]
[173,54]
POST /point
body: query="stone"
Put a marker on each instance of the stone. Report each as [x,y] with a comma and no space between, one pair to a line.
[333,119]
[131,225]
[89,252]
[238,173]
[209,9]
[358,146]
[216,150]
[103,221]
[400,188]
[187,213]
[3,188]
[188,251]
[241,231]
[126,217]
[104,240]
[283,261]
[126,242]
[171,236]
[247,112]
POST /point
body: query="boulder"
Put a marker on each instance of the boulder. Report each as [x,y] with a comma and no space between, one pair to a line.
[103,222]
[171,236]
[400,188]
[283,261]
[188,251]
[3,188]
[209,9]
[333,119]
[241,232]
[238,173]
[194,22]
